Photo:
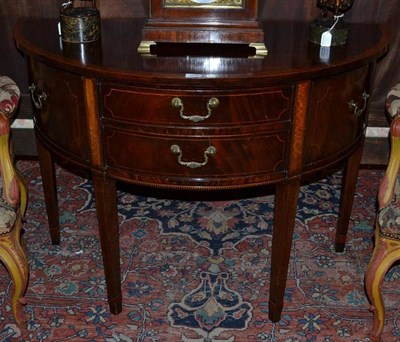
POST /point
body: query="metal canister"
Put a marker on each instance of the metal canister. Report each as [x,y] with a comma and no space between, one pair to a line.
[79,24]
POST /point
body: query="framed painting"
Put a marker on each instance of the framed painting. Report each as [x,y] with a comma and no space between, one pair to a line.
[203,21]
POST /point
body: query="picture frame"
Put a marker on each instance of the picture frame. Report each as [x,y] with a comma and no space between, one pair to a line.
[204,3]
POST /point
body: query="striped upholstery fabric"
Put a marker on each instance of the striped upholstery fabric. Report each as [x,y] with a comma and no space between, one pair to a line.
[9,95]
[393,101]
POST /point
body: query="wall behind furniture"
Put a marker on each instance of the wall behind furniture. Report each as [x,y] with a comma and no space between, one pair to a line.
[365,11]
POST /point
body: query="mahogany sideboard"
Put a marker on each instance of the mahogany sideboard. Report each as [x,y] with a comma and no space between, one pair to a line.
[210,120]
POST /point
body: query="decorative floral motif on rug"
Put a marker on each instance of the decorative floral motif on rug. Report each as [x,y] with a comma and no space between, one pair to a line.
[197,271]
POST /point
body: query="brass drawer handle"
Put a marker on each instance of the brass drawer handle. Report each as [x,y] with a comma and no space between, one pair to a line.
[37,99]
[211,151]
[354,106]
[176,102]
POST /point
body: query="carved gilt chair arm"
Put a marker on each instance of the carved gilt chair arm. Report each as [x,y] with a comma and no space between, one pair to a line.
[390,185]
[9,101]
[11,190]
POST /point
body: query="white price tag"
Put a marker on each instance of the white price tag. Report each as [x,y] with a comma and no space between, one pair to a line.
[326,39]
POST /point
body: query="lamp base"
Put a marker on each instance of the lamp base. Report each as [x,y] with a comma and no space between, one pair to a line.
[322,24]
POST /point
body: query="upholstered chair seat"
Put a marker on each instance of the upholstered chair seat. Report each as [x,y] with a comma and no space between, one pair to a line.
[13,200]
[389,216]
[8,215]
[387,232]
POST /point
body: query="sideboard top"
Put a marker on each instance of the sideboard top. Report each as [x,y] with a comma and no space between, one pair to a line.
[115,55]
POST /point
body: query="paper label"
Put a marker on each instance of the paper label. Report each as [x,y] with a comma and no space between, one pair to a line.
[324,53]
[326,39]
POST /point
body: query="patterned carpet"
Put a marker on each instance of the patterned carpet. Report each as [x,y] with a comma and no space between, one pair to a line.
[197,271]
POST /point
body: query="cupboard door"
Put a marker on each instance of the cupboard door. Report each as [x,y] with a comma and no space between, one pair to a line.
[59,109]
[337,115]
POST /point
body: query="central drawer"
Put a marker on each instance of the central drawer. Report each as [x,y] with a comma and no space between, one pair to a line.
[196,137]
[169,107]
[132,154]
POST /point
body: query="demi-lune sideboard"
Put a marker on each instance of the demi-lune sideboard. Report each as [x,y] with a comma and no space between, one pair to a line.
[200,118]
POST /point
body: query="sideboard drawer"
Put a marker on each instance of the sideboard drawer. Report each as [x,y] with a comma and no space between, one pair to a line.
[182,156]
[126,103]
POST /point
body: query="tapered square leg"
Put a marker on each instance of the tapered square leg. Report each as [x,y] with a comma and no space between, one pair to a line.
[349,184]
[285,213]
[106,205]
[47,170]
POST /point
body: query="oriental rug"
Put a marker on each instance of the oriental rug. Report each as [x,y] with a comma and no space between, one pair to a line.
[197,271]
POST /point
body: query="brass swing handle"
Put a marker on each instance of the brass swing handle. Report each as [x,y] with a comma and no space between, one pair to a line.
[211,151]
[213,103]
[354,106]
[37,99]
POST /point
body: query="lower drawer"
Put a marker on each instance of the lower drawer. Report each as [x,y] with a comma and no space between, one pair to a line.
[182,156]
